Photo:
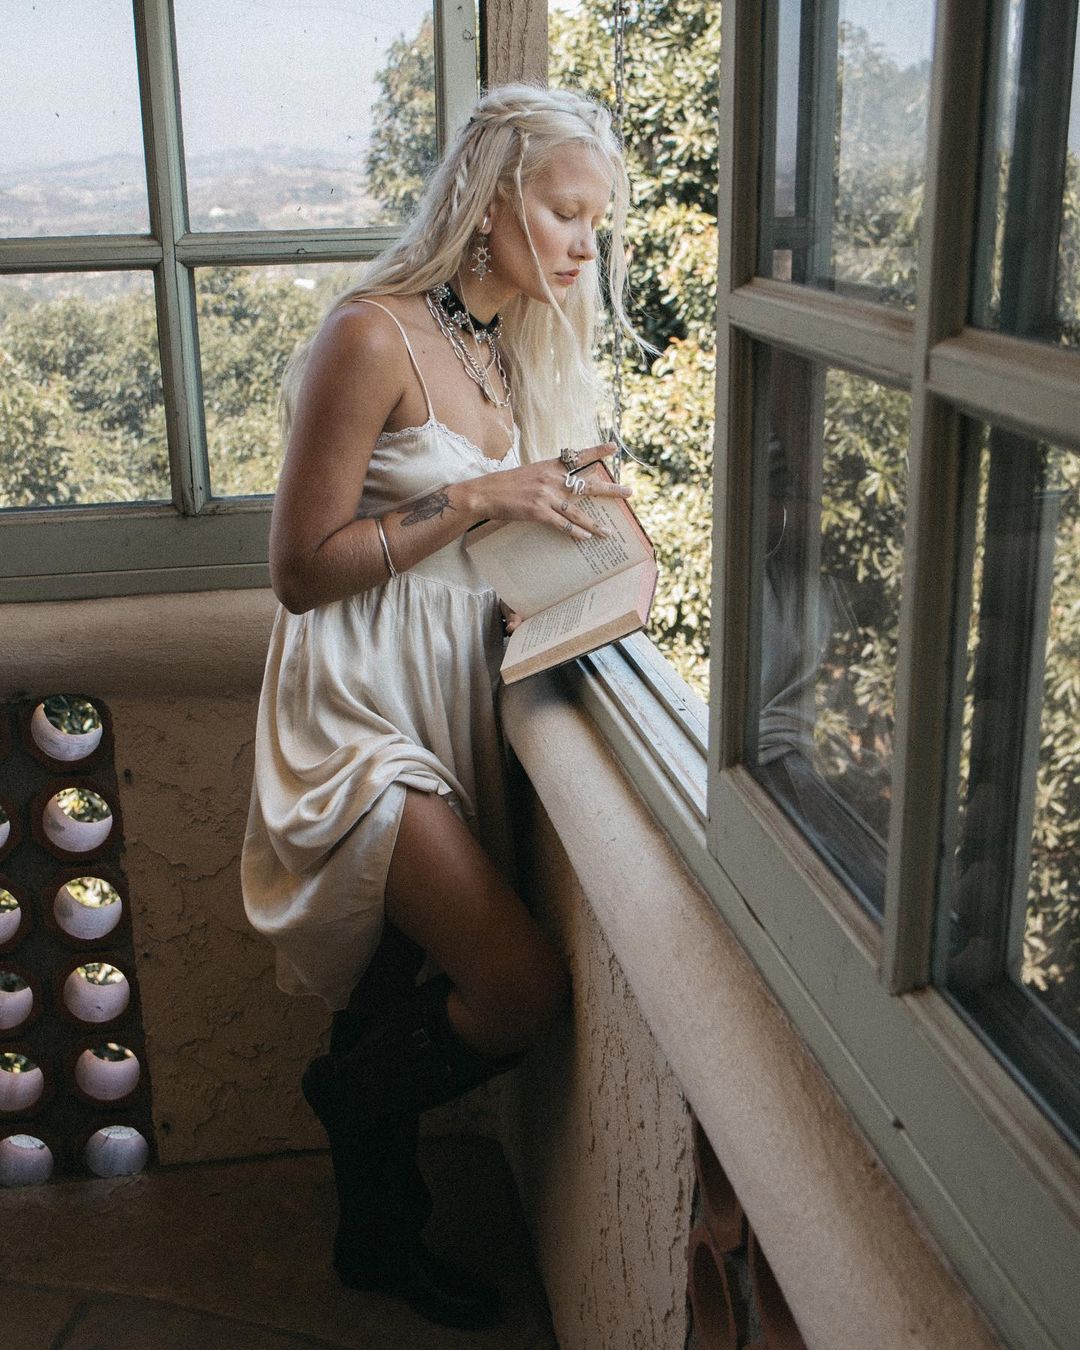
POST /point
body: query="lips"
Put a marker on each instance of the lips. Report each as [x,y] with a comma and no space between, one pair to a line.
[567,276]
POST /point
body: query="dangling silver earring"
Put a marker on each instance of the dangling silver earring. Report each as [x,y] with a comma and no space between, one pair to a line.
[481,263]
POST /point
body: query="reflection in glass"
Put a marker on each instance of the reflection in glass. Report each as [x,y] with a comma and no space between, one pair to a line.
[71,159]
[305,117]
[834,446]
[1009,942]
[82,419]
[250,319]
[846,85]
[1027,278]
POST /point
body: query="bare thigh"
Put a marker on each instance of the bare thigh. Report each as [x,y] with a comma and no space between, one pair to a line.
[444,892]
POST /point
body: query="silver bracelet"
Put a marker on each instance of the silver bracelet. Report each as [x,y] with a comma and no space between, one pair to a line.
[386,552]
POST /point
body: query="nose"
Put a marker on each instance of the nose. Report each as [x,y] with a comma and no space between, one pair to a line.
[585,249]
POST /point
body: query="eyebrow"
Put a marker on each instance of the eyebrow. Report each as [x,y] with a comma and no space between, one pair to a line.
[579,200]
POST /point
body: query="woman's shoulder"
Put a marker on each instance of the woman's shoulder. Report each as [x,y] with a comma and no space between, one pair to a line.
[355,328]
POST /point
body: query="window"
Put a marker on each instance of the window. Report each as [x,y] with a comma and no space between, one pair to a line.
[892,750]
[184,186]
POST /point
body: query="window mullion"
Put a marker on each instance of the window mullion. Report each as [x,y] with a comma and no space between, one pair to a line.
[455,67]
[89,252]
[175,285]
[930,558]
[737,234]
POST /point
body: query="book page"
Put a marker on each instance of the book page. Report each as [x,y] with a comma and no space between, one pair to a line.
[575,616]
[534,566]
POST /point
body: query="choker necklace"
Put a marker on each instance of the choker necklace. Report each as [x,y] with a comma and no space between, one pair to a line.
[454,308]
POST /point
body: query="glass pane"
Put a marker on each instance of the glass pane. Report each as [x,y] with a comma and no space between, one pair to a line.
[1009,941]
[71,159]
[305,117]
[846,85]
[81,413]
[250,319]
[1028,274]
[834,450]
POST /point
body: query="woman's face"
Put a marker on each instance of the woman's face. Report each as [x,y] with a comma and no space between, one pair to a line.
[564,204]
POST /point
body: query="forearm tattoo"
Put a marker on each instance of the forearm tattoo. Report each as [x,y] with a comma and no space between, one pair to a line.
[428,507]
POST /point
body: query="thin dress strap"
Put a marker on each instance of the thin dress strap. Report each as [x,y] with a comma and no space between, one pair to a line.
[359,300]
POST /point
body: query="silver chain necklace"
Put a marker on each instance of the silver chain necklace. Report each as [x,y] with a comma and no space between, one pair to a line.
[477,373]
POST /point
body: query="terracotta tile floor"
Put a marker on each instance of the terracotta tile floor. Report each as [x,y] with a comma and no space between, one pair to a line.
[234,1256]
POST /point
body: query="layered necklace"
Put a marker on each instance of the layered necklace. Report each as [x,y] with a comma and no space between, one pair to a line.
[454,319]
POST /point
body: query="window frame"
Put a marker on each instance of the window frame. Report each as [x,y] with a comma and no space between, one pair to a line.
[996,1183]
[984,1182]
[195,542]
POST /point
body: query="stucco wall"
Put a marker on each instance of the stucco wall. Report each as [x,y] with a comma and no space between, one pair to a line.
[225,1049]
[598,1138]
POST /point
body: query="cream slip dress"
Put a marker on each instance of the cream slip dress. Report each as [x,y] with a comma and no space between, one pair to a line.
[362,698]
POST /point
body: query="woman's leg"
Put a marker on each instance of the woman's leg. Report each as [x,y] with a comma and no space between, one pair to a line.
[444,892]
[501,985]
[383,1201]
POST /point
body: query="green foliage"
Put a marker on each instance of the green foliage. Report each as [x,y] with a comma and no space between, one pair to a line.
[249,322]
[671,136]
[84,388]
[1068,270]
[402,149]
[672,92]
[82,415]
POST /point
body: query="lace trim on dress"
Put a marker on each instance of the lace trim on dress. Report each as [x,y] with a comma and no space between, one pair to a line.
[488,461]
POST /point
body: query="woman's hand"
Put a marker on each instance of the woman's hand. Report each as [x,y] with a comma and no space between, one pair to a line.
[539,492]
[510,618]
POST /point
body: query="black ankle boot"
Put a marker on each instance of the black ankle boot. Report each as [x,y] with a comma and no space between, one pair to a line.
[408,1059]
[384,1204]
[385,1067]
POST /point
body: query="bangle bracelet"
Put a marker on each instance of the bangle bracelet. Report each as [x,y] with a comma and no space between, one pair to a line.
[386,552]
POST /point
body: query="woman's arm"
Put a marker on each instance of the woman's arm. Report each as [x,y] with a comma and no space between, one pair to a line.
[355,376]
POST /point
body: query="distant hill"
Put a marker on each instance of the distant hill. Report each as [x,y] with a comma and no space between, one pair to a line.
[275,188]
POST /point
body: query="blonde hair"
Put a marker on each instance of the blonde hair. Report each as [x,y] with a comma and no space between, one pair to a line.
[546,348]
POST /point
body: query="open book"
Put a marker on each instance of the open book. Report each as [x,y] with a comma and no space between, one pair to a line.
[573,595]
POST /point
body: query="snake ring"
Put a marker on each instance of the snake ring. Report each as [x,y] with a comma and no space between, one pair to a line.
[570,481]
[579,487]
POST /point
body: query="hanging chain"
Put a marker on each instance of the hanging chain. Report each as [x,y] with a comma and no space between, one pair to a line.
[620,13]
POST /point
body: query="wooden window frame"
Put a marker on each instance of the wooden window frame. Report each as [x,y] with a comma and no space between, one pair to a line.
[995,1182]
[196,542]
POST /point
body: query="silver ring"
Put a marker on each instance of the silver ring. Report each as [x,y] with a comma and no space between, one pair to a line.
[570,480]
[569,457]
[579,487]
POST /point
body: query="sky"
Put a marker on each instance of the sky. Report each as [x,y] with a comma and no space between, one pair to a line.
[255,72]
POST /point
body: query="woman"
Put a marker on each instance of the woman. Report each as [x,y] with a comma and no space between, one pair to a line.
[435,395]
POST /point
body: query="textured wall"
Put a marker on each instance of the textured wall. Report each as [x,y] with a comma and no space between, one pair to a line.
[224,1047]
[598,1137]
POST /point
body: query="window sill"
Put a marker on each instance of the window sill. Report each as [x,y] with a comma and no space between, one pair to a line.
[850,1255]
